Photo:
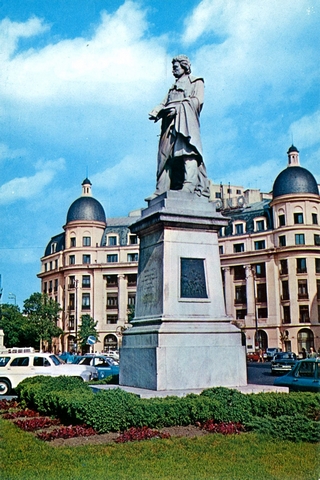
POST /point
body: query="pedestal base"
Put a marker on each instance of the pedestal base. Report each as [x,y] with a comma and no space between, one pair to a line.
[183,356]
[181,337]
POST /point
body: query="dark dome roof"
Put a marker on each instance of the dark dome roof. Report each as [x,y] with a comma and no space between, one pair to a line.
[86,208]
[293,149]
[295,180]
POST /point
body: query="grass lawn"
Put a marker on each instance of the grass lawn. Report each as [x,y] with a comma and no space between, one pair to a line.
[242,457]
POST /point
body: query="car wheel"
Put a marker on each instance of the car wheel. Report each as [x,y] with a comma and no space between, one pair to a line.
[5,387]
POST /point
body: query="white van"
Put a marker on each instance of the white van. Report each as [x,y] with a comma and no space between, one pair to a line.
[15,367]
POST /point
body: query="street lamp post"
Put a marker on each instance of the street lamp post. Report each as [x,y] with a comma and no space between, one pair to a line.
[76,282]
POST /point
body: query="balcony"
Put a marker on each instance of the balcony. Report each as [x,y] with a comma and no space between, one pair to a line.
[303,296]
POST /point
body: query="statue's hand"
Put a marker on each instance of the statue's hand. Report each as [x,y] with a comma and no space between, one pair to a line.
[152,117]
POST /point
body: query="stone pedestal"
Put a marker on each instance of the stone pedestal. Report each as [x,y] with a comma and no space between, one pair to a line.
[181,337]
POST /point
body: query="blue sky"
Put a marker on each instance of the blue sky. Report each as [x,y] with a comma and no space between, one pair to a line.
[78,78]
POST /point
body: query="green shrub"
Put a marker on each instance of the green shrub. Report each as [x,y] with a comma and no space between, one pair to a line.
[297,428]
[74,402]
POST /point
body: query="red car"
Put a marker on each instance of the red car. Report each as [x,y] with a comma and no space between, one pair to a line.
[253,357]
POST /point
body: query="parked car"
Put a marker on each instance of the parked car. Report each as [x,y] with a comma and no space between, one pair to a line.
[104,365]
[15,367]
[270,353]
[253,357]
[283,362]
[113,354]
[304,377]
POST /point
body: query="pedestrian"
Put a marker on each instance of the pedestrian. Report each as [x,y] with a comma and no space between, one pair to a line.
[312,353]
[304,353]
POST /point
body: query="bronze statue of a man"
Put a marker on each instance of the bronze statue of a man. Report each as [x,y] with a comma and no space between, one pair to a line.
[180,162]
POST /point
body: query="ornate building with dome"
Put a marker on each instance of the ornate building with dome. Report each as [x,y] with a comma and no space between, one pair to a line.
[270,258]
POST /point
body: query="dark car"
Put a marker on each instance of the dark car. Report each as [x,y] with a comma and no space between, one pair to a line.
[304,377]
[283,362]
[270,353]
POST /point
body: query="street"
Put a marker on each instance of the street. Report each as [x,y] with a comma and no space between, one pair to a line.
[260,373]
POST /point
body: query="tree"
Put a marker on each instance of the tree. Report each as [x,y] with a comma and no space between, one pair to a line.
[87,328]
[43,314]
[14,326]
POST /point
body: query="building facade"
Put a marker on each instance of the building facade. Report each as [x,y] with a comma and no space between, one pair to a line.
[270,259]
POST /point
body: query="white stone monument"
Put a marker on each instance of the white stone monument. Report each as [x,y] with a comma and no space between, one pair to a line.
[181,338]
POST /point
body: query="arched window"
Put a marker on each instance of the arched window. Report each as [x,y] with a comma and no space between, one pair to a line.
[305,339]
[261,339]
[110,343]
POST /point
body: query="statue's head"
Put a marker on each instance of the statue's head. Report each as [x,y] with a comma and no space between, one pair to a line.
[184,62]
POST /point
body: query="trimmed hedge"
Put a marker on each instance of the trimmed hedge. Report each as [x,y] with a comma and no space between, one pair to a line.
[292,416]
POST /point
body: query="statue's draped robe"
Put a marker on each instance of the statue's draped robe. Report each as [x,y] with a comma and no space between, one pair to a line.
[180,134]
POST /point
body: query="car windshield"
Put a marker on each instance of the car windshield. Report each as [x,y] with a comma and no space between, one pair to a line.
[56,360]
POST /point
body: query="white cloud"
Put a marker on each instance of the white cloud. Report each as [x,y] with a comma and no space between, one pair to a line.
[115,66]
[6,153]
[254,51]
[28,187]
[11,32]
[259,176]
[305,131]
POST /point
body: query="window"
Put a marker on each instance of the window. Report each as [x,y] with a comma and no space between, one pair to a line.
[112,258]
[56,283]
[72,281]
[112,280]
[71,322]
[282,241]
[241,313]
[86,281]
[50,286]
[261,292]
[238,192]
[41,362]
[132,280]
[20,362]
[298,218]
[217,195]
[131,299]
[229,190]
[133,239]
[45,267]
[238,247]
[304,314]
[318,289]
[316,239]
[132,257]
[71,301]
[282,220]
[56,264]
[53,247]
[319,313]
[86,241]
[72,259]
[72,241]
[45,287]
[240,294]
[299,238]
[239,228]
[315,219]
[285,290]
[86,301]
[111,319]
[112,241]
[260,245]
[260,225]
[86,258]
[50,265]
[260,269]
[262,313]
[239,272]
[112,301]
[301,265]
[302,289]
[220,249]
[317,265]
[286,314]
[284,267]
